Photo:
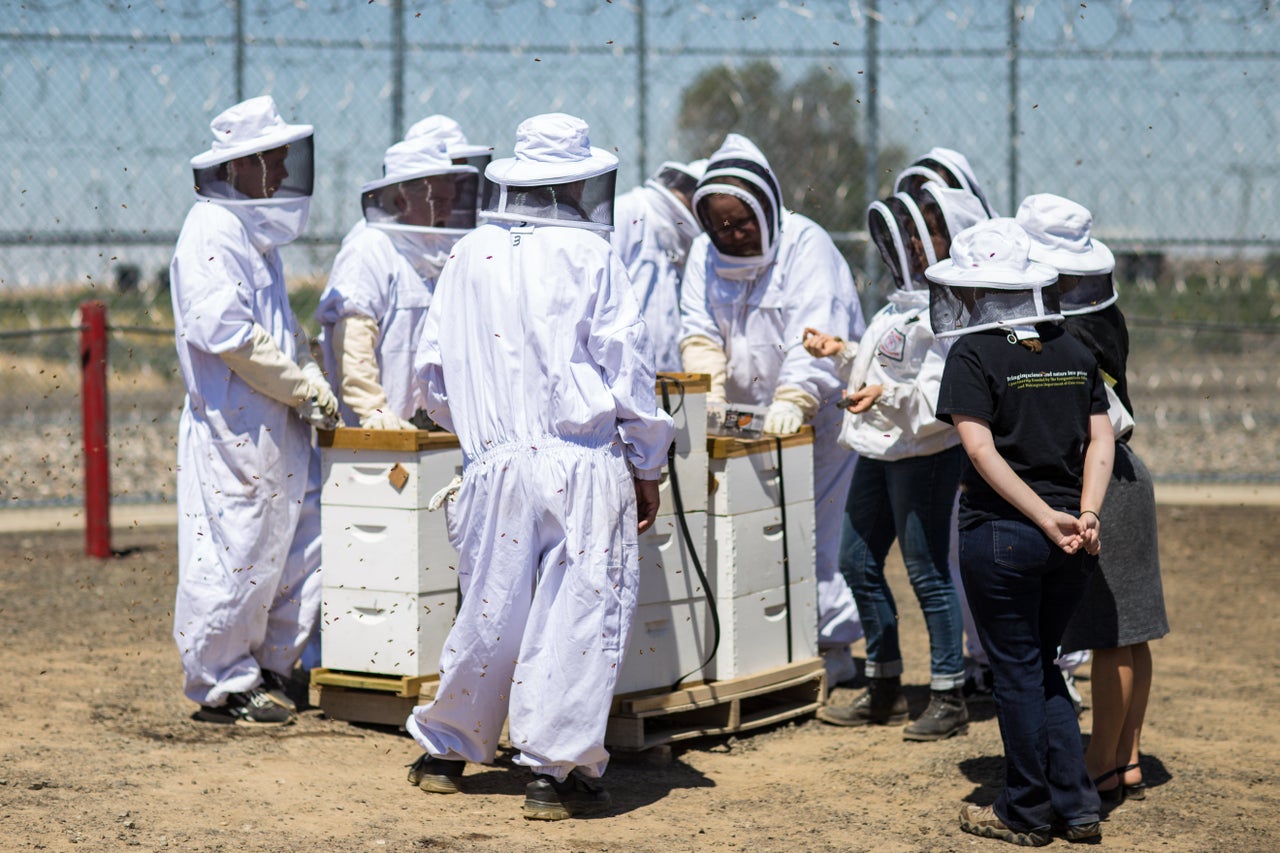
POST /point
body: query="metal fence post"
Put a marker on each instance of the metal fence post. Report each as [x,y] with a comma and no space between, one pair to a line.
[93,418]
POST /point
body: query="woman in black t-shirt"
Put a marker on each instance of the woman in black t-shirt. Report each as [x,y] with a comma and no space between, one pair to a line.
[1030,408]
[1123,606]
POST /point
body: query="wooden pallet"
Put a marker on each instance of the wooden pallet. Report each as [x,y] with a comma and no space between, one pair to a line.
[718,707]
[364,698]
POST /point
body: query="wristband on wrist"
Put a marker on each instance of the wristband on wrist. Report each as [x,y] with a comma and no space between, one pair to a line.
[1091,512]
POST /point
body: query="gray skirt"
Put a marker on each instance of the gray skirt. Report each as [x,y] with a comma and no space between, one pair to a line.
[1124,602]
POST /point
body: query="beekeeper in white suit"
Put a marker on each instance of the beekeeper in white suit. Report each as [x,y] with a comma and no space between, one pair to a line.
[654,228]
[379,290]
[461,151]
[536,356]
[248,477]
[757,277]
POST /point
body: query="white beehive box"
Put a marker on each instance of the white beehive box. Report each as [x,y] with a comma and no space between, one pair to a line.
[388,571]
[687,397]
[745,475]
[747,550]
[667,572]
[753,630]
[398,550]
[395,469]
[385,633]
[669,640]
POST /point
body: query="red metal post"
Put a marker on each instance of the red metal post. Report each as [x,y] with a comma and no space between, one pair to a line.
[93,417]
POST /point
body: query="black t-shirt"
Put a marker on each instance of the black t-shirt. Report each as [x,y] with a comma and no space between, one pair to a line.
[1038,406]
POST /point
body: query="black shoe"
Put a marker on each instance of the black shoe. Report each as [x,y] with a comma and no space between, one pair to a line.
[946,715]
[1088,833]
[978,680]
[882,703]
[252,708]
[277,690]
[436,775]
[547,799]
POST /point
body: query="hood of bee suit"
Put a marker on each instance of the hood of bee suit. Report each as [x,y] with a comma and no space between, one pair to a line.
[739,169]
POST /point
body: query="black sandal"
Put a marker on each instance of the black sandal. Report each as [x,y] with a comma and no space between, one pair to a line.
[1110,797]
[1136,791]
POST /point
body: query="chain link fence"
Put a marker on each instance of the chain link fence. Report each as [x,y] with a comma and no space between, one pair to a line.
[1159,116]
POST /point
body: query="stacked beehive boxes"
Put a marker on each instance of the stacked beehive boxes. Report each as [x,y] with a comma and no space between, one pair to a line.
[760,534]
[732,497]
[389,574]
[668,635]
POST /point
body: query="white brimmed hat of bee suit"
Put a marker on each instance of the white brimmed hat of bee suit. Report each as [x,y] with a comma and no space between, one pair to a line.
[557,177]
[989,282]
[261,168]
[1060,231]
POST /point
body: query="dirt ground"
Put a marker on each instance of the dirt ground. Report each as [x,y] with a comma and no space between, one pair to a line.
[98,751]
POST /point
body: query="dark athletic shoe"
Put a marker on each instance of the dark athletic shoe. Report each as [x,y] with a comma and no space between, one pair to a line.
[277,690]
[547,799]
[982,820]
[436,775]
[252,708]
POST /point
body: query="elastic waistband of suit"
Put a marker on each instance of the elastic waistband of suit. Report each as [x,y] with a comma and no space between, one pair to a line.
[552,444]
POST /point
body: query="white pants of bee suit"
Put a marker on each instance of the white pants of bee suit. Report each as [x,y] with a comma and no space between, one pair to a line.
[548,559]
[838,621]
[231,623]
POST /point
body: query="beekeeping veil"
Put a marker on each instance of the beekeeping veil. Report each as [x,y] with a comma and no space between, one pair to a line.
[1059,230]
[261,168]
[423,201]
[675,184]
[556,176]
[739,169]
[944,166]
[462,152]
[989,282]
[911,228]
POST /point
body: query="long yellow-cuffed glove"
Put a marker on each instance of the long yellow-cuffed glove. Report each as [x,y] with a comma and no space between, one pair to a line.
[355,341]
[700,354]
[790,408]
[261,363]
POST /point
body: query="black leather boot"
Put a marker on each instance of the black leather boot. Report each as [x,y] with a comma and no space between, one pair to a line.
[946,715]
[881,704]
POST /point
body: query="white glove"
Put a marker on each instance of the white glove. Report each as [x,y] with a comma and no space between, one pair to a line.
[321,393]
[438,499]
[355,344]
[783,418]
[385,420]
[700,354]
[313,413]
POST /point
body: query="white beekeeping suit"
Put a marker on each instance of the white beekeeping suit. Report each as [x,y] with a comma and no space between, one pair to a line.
[946,167]
[757,277]
[536,356]
[248,595]
[379,290]
[654,227]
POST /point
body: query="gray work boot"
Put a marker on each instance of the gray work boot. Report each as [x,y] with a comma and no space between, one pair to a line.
[946,715]
[881,704]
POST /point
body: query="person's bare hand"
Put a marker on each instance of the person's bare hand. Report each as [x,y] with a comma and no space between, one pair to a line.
[1090,529]
[864,398]
[820,345]
[646,503]
[1063,530]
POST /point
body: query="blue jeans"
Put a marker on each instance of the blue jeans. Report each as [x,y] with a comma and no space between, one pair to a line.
[910,500]
[1022,590]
